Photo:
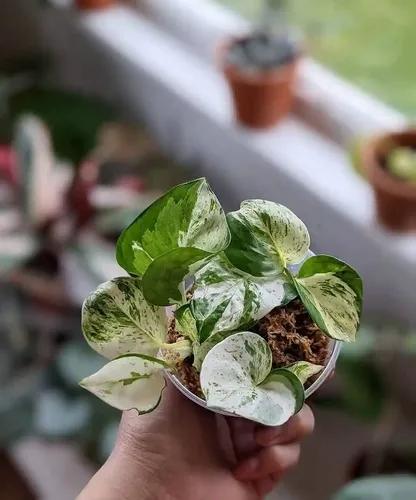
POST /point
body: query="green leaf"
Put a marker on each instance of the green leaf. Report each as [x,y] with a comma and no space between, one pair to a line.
[131,381]
[401,162]
[185,322]
[163,280]
[116,319]
[363,388]
[226,299]
[234,378]
[265,238]
[332,293]
[388,487]
[304,370]
[72,118]
[187,216]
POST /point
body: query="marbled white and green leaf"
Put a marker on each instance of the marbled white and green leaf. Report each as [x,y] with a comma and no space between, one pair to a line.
[235,377]
[175,353]
[201,350]
[304,370]
[284,381]
[116,319]
[172,238]
[185,322]
[265,238]
[226,299]
[332,293]
[131,381]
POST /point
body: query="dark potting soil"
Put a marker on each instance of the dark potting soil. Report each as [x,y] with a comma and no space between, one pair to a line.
[186,372]
[293,336]
[290,332]
[261,52]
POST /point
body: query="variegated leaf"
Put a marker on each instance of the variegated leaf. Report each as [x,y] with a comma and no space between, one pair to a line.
[265,238]
[332,292]
[187,216]
[163,282]
[201,350]
[127,382]
[226,299]
[116,319]
[174,353]
[235,378]
[304,370]
[185,322]
[282,380]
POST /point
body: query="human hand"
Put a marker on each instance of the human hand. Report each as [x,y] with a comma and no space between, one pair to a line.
[181,451]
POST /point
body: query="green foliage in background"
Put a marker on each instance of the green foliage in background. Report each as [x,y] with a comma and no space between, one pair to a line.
[364,367]
[73,119]
[370,43]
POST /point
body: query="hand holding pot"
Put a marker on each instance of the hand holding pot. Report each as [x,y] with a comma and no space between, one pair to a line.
[176,453]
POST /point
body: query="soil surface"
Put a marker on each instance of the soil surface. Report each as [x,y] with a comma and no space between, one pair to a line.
[187,373]
[290,333]
[293,336]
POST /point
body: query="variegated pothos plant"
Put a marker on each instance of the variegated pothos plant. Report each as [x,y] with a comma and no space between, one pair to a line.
[239,267]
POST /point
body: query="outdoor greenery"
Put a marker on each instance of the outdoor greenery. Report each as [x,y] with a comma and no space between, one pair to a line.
[370,43]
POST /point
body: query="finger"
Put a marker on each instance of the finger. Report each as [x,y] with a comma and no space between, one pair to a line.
[242,435]
[298,427]
[272,460]
[266,485]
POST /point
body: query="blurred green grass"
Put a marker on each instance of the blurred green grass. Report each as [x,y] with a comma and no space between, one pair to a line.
[370,42]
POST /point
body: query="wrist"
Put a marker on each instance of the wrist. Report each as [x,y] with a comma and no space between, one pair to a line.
[126,478]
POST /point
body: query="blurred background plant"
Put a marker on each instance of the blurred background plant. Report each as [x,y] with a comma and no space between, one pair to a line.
[99,173]
[369,387]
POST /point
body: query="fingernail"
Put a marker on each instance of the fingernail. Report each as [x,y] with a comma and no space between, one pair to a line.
[246,468]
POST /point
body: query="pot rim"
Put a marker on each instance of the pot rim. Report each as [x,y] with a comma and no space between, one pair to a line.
[261,77]
[377,175]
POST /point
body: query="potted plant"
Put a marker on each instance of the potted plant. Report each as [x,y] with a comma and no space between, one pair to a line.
[253,316]
[389,162]
[261,69]
[94,4]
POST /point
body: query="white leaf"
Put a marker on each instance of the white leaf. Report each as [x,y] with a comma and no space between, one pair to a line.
[132,381]
[235,377]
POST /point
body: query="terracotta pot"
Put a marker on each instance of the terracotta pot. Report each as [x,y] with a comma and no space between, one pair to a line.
[261,98]
[395,198]
[94,4]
